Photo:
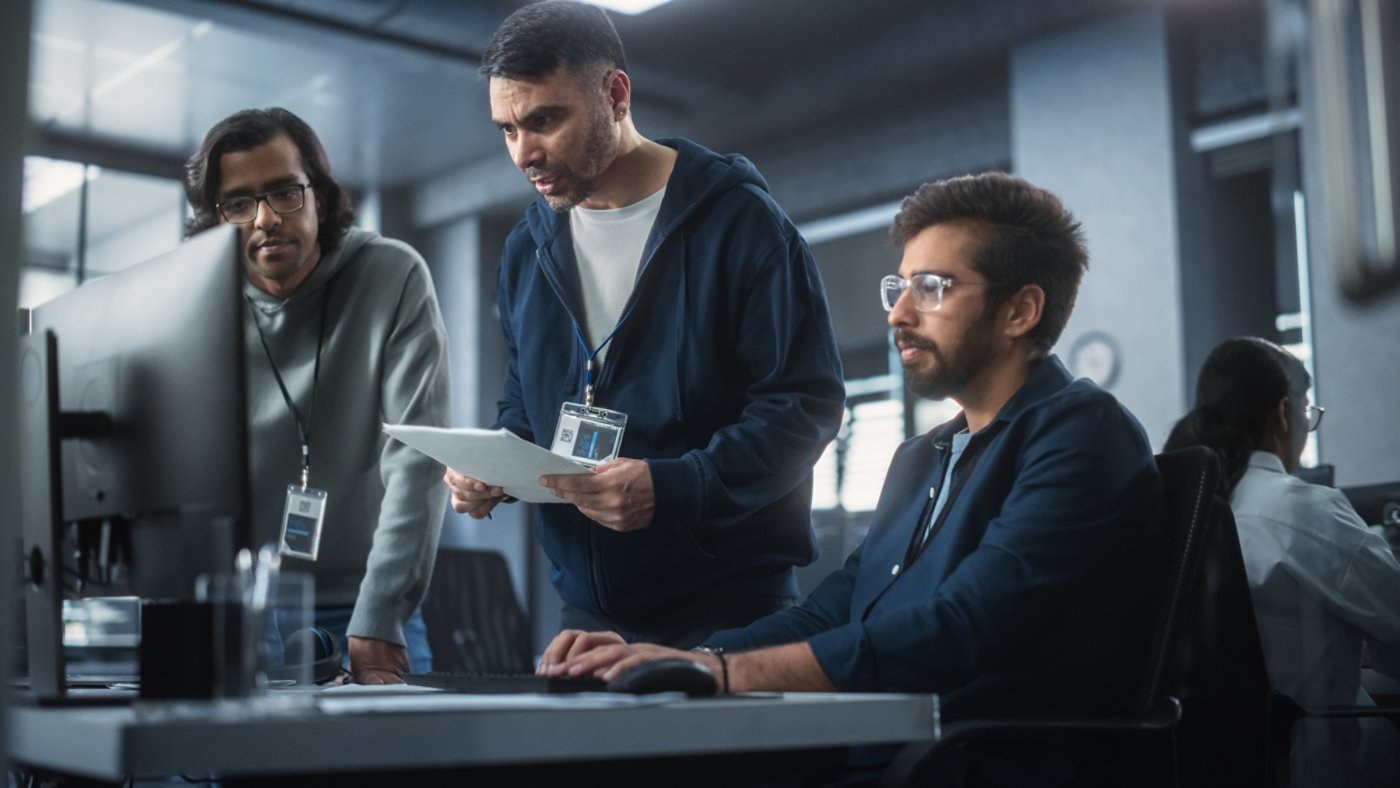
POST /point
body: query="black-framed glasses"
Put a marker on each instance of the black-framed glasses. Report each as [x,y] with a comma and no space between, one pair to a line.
[1314,413]
[283,199]
[927,290]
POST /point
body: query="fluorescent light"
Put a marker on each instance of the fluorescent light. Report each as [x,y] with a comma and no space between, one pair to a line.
[629,6]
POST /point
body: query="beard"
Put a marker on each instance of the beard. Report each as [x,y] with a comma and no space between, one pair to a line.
[952,372]
[597,157]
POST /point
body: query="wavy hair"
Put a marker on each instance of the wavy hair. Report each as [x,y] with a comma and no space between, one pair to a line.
[246,130]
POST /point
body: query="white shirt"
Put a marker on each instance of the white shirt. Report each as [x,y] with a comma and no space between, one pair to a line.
[1322,582]
[608,245]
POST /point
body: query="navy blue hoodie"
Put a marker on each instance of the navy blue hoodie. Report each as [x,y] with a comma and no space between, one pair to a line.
[726,365]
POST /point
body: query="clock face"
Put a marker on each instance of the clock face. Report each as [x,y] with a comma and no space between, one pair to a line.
[1095,356]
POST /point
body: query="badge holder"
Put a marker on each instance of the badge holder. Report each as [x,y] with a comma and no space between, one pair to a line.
[588,436]
[301,522]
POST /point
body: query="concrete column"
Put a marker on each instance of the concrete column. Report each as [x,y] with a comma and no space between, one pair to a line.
[1091,120]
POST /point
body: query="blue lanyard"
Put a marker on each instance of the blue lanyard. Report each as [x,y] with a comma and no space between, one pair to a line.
[590,356]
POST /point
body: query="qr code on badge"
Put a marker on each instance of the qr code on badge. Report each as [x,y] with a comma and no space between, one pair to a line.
[566,436]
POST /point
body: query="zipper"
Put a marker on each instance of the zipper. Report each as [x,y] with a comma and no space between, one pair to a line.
[595,577]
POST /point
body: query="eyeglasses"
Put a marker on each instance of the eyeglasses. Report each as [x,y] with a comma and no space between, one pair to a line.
[927,288]
[285,199]
[1314,413]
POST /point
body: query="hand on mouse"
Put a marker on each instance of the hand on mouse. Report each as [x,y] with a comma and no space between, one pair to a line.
[569,644]
[609,660]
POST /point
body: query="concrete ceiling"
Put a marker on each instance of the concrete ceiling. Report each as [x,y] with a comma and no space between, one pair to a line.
[391,85]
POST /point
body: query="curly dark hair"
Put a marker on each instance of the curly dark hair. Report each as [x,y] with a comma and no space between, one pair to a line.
[540,37]
[248,129]
[1027,237]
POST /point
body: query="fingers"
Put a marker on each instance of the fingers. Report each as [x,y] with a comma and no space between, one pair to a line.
[472,496]
[608,662]
[617,495]
[569,645]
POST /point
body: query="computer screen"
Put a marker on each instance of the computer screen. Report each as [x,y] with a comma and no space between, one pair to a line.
[134,434]
[1378,504]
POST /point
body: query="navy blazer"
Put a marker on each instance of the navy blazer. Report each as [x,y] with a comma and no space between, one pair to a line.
[1024,597]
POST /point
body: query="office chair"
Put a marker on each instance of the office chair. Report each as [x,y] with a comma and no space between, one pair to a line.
[475,624]
[1193,517]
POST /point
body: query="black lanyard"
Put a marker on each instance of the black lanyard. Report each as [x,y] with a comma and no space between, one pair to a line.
[303,428]
[960,473]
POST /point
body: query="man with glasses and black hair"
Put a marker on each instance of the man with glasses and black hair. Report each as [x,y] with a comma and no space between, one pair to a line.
[343,334]
[657,298]
[1006,559]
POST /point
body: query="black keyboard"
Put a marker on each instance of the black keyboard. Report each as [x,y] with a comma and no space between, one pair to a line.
[505,683]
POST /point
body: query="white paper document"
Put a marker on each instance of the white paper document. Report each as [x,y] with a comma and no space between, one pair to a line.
[497,457]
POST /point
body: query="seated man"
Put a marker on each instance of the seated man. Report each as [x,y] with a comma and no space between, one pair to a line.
[1003,567]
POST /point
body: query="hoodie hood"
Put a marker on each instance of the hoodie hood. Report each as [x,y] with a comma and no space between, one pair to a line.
[326,269]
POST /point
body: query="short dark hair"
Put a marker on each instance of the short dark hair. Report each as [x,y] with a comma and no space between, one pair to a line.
[1027,238]
[246,130]
[540,37]
[1237,393]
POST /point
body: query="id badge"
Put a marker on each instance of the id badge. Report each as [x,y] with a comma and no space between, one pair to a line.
[588,436]
[301,522]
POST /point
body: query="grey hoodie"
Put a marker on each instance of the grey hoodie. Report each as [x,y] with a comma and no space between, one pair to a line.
[384,359]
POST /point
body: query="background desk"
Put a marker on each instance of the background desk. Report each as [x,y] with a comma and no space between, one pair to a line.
[349,734]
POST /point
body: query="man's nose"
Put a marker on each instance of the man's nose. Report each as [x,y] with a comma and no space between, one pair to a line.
[265,216]
[903,313]
[525,150]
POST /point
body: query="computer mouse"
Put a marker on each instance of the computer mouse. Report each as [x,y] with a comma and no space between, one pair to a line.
[666,675]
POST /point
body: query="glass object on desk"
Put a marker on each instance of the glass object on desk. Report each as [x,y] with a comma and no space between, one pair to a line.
[257,608]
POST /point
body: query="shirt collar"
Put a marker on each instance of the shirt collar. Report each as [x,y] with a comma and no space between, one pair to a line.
[1266,461]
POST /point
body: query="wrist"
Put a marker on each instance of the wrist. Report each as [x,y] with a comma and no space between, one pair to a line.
[721,665]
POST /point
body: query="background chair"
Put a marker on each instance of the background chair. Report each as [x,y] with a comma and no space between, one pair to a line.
[1194,516]
[475,623]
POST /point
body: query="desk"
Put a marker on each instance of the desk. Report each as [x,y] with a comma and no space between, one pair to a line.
[340,733]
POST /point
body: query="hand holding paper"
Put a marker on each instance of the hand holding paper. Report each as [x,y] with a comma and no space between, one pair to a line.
[498,458]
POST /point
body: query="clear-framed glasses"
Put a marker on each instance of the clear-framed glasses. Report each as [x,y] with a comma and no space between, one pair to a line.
[283,199]
[927,289]
[1315,413]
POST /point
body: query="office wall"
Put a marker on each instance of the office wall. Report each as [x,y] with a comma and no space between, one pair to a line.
[1356,345]
[1092,120]
[14,64]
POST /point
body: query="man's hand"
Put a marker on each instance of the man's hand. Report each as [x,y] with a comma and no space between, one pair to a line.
[569,644]
[472,496]
[604,655]
[377,661]
[617,495]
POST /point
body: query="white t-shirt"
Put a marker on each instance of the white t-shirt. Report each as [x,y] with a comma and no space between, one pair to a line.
[608,246]
[1321,582]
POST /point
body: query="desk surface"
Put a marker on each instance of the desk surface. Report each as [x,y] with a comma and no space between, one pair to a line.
[343,733]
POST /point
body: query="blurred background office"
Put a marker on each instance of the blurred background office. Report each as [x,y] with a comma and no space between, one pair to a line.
[1184,134]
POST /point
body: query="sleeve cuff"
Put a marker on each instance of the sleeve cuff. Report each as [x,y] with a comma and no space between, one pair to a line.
[845,657]
[676,485]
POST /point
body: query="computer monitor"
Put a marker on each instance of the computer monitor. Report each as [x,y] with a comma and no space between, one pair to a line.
[1378,504]
[133,438]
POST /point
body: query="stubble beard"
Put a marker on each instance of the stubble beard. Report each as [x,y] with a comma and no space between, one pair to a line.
[597,157]
[952,374]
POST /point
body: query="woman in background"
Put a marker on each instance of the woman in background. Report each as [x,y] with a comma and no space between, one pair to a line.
[1321,581]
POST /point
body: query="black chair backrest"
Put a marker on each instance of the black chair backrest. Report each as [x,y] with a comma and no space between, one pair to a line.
[1215,665]
[1190,478]
[475,623]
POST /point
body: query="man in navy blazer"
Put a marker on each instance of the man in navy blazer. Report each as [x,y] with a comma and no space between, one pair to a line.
[1005,561]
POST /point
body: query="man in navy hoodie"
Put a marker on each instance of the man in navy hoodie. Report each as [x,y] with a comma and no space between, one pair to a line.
[656,297]
[1006,560]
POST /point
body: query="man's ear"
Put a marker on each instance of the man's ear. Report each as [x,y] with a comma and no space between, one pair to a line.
[619,88]
[1023,310]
